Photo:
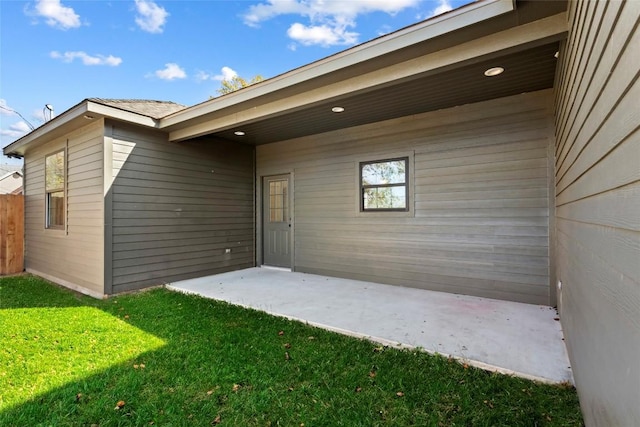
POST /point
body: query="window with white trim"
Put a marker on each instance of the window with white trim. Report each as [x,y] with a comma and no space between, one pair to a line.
[55,167]
[383,185]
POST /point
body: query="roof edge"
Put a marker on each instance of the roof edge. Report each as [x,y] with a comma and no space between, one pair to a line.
[9,174]
[87,108]
[433,27]
[11,150]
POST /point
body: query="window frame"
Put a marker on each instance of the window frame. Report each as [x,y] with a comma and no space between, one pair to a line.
[49,191]
[406,184]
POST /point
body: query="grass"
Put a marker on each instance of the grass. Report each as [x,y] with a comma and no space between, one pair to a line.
[169,359]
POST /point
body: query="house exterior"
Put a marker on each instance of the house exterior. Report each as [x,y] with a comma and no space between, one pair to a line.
[10,179]
[489,151]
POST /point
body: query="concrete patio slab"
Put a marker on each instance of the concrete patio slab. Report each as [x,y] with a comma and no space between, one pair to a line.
[514,338]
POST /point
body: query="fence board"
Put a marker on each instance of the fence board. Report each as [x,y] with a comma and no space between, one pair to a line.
[11,234]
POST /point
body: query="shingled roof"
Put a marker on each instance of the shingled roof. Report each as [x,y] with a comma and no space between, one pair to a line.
[146,107]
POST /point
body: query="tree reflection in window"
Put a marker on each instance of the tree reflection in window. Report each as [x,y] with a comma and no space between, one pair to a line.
[383,185]
[54,188]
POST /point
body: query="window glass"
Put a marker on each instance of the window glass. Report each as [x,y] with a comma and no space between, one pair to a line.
[391,172]
[54,171]
[383,185]
[278,201]
[384,198]
[55,209]
[54,188]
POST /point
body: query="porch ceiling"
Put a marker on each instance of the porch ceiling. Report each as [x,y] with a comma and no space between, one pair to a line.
[525,71]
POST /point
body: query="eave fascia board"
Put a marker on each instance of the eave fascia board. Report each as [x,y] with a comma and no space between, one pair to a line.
[121,115]
[439,25]
[17,147]
[545,30]
[86,107]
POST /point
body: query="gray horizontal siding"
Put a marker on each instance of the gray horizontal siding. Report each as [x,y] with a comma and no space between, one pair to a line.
[480,200]
[598,207]
[73,257]
[176,207]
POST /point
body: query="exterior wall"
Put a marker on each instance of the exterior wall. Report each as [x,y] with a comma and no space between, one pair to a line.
[176,207]
[71,257]
[479,220]
[598,207]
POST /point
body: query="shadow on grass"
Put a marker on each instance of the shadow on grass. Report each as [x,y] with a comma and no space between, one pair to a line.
[228,365]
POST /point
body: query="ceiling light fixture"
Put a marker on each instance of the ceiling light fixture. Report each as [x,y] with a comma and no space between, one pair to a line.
[495,71]
[88,117]
[239,133]
[337,109]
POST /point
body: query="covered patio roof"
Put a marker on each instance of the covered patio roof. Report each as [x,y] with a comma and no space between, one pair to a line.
[438,63]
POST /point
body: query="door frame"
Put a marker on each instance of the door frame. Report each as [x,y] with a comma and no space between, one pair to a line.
[260,217]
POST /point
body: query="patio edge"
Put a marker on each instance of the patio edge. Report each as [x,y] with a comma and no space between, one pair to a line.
[384,341]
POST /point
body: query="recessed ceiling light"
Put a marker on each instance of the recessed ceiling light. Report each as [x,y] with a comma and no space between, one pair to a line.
[494,71]
[88,117]
[337,109]
[239,133]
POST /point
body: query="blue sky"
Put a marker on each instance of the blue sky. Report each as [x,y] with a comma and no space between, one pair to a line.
[60,52]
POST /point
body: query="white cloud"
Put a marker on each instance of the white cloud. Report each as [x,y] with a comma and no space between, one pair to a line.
[330,22]
[57,15]
[316,9]
[384,30]
[202,76]
[443,6]
[112,61]
[226,73]
[5,110]
[20,126]
[16,130]
[39,115]
[151,17]
[171,71]
[323,35]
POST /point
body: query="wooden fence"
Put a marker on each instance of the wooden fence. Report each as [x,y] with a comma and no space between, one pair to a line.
[11,234]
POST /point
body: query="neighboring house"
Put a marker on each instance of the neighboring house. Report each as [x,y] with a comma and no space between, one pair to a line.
[10,179]
[522,186]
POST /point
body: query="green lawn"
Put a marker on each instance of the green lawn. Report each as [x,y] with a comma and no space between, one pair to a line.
[168,359]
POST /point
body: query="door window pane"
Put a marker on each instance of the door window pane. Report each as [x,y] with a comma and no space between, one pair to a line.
[278,201]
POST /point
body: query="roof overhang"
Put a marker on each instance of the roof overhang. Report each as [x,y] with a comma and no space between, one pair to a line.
[392,75]
[77,116]
[425,30]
